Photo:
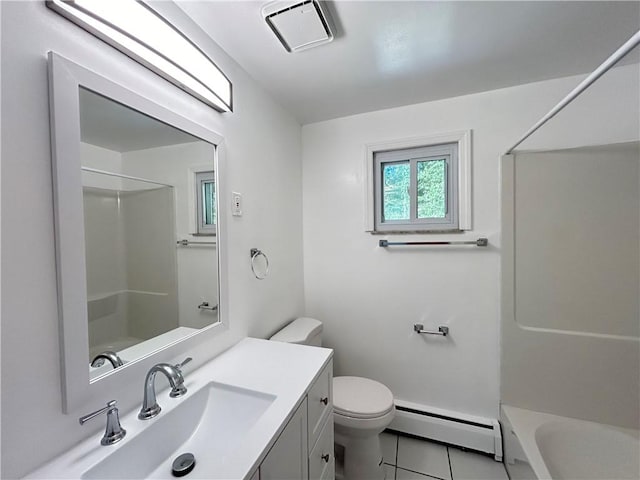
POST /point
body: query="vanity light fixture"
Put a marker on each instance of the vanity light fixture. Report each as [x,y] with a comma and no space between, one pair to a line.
[140,32]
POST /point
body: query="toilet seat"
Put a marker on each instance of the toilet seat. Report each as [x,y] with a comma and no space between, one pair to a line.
[361,398]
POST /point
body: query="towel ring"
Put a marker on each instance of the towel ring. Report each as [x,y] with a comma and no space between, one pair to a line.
[255,253]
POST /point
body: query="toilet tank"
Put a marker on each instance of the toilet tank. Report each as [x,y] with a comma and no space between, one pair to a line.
[303,331]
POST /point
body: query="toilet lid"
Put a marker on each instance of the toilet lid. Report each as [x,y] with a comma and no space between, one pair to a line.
[359,397]
[301,330]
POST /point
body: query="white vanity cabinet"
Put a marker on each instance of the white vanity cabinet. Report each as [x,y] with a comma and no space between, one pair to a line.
[304,449]
[261,410]
[287,459]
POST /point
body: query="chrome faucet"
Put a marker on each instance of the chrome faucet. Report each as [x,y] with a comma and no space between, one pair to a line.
[114,431]
[109,355]
[150,407]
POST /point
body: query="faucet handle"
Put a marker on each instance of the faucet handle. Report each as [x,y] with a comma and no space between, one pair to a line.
[184,362]
[114,431]
[180,389]
[92,415]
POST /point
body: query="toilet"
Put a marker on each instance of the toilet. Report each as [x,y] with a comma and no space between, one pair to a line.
[362,409]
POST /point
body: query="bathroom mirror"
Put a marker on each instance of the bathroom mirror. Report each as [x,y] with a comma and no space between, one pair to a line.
[136,226]
[148,189]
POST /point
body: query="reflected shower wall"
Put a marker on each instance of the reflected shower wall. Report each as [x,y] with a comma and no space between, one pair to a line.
[571,259]
[131,261]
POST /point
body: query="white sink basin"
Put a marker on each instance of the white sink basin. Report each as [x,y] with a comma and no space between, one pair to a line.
[210,424]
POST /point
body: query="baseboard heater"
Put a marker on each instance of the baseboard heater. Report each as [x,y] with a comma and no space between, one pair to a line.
[476,433]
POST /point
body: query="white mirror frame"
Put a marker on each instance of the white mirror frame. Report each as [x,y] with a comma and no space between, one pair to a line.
[65,79]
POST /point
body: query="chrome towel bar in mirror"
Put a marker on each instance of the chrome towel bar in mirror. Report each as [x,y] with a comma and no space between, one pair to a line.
[442,330]
[206,306]
[186,243]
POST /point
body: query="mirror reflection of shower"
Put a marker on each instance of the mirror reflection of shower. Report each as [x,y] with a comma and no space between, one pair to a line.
[131,261]
[150,232]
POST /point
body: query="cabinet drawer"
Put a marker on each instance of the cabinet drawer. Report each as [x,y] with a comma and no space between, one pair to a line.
[320,403]
[321,459]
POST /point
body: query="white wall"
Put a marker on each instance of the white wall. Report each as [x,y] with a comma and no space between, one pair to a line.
[263,163]
[370,297]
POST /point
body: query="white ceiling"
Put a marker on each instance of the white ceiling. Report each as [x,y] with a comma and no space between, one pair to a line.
[391,53]
[113,126]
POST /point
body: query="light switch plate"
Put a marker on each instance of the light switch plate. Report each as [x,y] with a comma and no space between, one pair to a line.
[236,204]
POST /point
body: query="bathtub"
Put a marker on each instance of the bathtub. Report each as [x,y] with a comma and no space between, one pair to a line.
[543,446]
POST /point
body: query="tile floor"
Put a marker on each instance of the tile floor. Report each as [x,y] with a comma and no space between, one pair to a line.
[412,459]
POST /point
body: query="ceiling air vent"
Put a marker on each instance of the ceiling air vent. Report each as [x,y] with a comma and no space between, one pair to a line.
[298,24]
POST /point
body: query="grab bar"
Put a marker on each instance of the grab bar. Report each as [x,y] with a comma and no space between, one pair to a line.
[481,242]
[442,330]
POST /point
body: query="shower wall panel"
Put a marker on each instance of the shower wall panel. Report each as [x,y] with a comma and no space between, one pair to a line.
[571,278]
[148,217]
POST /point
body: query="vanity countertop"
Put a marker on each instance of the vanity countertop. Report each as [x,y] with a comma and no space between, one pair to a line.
[283,370]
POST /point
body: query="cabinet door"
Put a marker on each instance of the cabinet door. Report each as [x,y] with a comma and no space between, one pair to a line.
[287,459]
[320,403]
[321,459]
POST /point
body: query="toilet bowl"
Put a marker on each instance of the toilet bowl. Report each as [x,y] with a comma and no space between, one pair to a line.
[362,409]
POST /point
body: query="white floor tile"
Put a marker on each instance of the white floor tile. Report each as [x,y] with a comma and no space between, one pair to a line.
[423,457]
[473,466]
[407,475]
[389,444]
[390,472]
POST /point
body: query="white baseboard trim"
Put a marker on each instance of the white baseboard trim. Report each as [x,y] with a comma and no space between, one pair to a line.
[477,433]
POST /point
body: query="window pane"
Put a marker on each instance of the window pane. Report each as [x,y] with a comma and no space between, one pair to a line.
[209,203]
[432,188]
[395,185]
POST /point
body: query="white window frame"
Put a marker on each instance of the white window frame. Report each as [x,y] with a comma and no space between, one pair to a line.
[200,177]
[462,206]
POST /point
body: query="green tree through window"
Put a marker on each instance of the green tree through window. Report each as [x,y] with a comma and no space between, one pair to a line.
[432,187]
[396,202]
[209,200]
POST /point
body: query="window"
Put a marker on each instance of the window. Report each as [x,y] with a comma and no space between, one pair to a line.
[206,203]
[419,185]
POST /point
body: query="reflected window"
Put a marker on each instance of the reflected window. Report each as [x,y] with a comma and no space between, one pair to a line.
[206,202]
